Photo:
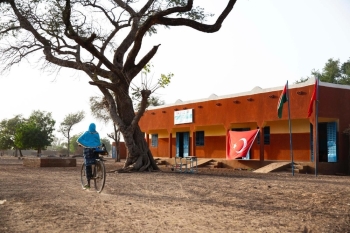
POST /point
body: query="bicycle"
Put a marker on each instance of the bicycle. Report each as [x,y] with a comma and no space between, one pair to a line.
[98,172]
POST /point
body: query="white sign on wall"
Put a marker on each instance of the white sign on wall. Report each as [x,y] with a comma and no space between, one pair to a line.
[183,116]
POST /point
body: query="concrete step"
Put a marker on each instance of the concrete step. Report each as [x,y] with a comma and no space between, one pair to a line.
[161,162]
[298,168]
[213,164]
[277,166]
[295,170]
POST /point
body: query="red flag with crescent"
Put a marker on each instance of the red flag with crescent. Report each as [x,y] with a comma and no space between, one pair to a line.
[239,143]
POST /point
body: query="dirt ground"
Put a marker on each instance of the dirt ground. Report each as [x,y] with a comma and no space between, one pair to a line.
[213,200]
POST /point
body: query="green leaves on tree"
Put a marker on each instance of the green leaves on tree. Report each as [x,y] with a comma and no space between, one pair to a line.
[332,72]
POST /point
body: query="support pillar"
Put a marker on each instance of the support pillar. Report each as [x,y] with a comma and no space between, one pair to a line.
[226,140]
[147,139]
[261,144]
[170,145]
[193,144]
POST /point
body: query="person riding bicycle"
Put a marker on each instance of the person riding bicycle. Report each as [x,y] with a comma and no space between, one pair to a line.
[90,141]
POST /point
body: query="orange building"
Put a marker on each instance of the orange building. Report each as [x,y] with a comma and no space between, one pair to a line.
[203,125]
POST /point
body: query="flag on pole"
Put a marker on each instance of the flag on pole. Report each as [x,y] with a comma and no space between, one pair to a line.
[313,98]
[283,98]
[239,143]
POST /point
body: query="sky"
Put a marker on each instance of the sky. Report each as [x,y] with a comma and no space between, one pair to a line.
[261,43]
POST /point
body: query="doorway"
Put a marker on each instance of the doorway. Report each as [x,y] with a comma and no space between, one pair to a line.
[327,142]
[182,144]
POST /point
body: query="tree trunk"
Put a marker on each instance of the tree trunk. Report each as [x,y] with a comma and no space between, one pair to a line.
[349,155]
[117,141]
[139,157]
[39,152]
[68,143]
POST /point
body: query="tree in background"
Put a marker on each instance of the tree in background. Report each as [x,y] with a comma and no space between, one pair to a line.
[74,146]
[67,124]
[332,72]
[29,136]
[59,146]
[36,132]
[107,50]
[8,131]
[155,101]
[107,144]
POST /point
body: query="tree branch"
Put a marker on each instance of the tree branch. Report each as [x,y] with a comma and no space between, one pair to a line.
[145,94]
[152,20]
[10,29]
[158,18]
[112,108]
[134,70]
[196,25]
[85,42]
[103,84]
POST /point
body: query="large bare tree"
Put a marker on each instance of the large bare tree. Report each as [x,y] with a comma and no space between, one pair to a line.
[82,35]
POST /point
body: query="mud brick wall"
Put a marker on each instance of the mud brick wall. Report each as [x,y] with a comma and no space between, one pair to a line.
[49,162]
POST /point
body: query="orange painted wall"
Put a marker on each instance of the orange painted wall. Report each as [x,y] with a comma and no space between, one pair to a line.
[122,150]
[279,148]
[237,111]
[214,147]
[162,149]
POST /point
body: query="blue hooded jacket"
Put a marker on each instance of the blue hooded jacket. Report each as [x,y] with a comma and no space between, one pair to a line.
[91,138]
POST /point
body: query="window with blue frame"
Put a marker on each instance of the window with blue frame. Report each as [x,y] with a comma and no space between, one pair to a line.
[266,136]
[199,138]
[154,140]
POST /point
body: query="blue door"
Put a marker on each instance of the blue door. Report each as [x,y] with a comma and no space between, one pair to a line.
[182,144]
[327,142]
[332,141]
[186,143]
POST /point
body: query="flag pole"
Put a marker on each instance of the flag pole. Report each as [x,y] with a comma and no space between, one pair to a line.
[316,123]
[290,131]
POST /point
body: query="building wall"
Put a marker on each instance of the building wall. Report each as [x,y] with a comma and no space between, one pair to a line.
[214,147]
[255,109]
[122,149]
[162,149]
[300,145]
[334,106]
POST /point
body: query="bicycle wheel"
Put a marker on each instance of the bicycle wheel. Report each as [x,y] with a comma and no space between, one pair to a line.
[99,175]
[83,177]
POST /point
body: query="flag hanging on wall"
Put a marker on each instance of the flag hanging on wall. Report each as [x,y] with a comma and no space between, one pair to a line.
[239,143]
[283,98]
[313,98]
